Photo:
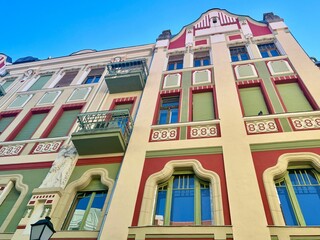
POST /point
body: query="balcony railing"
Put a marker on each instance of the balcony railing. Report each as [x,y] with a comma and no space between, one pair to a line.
[126,76]
[102,132]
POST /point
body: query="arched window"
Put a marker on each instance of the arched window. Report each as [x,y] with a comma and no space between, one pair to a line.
[184,199]
[299,196]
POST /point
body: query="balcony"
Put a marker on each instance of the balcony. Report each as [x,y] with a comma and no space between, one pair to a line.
[102,132]
[126,76]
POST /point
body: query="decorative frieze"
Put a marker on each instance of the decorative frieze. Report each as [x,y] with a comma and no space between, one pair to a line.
[47,147]
[11,150]
[261,126]
[304,123]
[204,131]
[164,134]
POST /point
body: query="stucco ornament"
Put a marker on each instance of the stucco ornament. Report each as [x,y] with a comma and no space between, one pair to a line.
[61,168]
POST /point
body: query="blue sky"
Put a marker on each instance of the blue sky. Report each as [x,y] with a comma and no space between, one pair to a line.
[37,28]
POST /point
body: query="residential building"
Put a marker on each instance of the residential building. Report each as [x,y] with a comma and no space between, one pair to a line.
[212,133]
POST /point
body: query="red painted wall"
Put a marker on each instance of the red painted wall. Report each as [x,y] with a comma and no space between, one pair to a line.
[213,162]
[266,159]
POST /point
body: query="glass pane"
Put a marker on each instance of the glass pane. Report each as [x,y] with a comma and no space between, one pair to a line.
[95,211]
[96,79]
[179,65]
[206,62]
[89,80]
[171,66]
[234,58]
[161,202]
[244,56]
[274,53]
[264,54]
[286,206]
[163,117]
[79,212]
[205,207]
[182,209]
[174,115]
[197,62]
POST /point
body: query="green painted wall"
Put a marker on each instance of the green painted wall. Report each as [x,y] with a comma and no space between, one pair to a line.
[33,178]
[112,169]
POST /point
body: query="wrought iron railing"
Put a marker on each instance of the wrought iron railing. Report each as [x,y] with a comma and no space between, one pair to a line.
[93,122]
[126,67]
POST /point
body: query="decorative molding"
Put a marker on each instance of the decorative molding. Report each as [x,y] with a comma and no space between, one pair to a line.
[261,126]
[164,134]
[306,123]
[47,147]
[203,131]
[11,150]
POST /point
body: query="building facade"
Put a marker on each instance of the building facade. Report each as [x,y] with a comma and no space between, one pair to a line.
[213,133]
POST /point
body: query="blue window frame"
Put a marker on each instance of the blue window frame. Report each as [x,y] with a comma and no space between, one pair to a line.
[299,195]
[239,54]
[184,200]
[268,50]
[169,110]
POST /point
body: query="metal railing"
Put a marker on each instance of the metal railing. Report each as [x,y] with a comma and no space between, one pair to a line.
[126,67]
[94,122]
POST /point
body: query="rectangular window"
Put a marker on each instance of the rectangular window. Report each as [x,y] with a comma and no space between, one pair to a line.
[293,97]
[239,53]
[268,50]
[7,83]
[253,101]
[169,110]
[201,59]
[5,121]
[94,76]
[42,80]
[202,106]
[67,79]
[175,62]
[65,122]
[30,126]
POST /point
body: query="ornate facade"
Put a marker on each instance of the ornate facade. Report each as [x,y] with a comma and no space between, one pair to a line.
[212,133]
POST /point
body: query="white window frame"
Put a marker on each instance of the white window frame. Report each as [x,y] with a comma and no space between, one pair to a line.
[74,91]
[173,86]
[199,83]
[255,74]
[27,100]
[53,101]
[276,73]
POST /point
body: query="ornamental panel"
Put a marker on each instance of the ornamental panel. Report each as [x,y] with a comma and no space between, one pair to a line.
[262,126]
[47,147]
[11,150]
[164,134]
[204,131]
[304,123]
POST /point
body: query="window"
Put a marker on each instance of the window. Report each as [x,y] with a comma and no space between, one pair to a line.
[169,110]
[202,106]
[175,62]
[94,76]
[299,195]
[5,120]
[184,200]
[268,50]
[293,98]
[63,122]
[239,54]
[28,126]
[87,210]
[88,207]
[201,59]
[253,101]
[67,79]
[41,81]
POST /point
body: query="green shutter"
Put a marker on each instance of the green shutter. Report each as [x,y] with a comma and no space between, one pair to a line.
[293,97]
[203,108]
[4,122]
[31,126]
[123,106]
[48,97]
[40,83]
[7,206]
[64,123]
[19,101]
[253,101]
[7,83]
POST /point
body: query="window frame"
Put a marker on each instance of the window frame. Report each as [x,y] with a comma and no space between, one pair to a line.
[168,109]
[270,47]
[175,62]
[8,114]
[204,56]
[197,199]
[239,53]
